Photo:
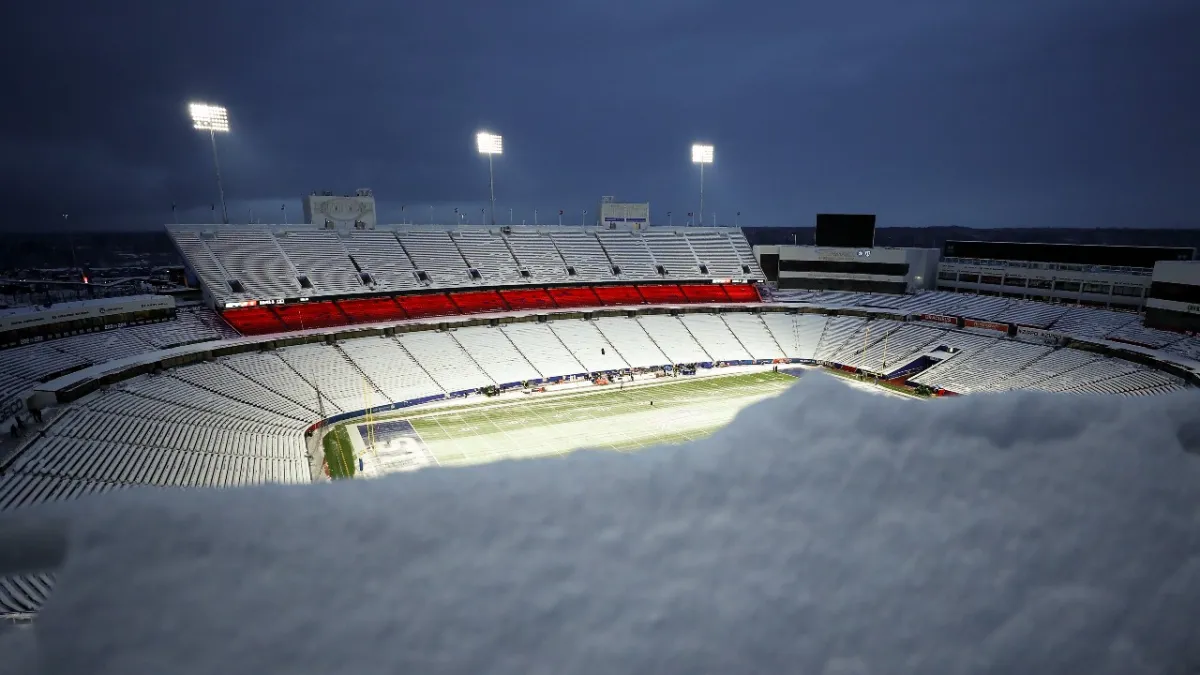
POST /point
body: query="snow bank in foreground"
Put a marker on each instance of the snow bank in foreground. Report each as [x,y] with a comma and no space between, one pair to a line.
[825,531]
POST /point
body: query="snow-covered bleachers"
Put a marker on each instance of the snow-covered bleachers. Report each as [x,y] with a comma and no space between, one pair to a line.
[1030,313]
[838,331]
[434,253]
[868,333]
[632,343]
[219,378]
[445,361]
[187,327]
[715,338]
[752,333]
[1091,322]
[202,260]
[674,339]
[982,369]
[1139,380]
[590,347]
[797,334]
[272,372]
[715,251]
[931,302]
[544,350]
[486,252]
[896,348]
[1139,334]
[671,250]
[158,389]
[1090,375]
[583,253]
[628,251]
[1188,347]
[253,257]
[489,347]
[536,253]
[984,307]
[103,345]
[745,255]
[340,381]
[880,300]
[1049,365]
[320,256]
[391,368]
[380,255]
[35,362]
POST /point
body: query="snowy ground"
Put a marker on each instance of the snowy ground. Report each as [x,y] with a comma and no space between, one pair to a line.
[824,531]
[611,417]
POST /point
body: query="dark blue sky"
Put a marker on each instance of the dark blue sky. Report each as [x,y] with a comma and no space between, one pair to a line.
[928,112]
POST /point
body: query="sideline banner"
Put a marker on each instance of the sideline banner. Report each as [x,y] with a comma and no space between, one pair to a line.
[1037,335]
[940,318]
[986,325]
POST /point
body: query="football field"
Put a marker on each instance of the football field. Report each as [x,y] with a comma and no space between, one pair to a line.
[608,417]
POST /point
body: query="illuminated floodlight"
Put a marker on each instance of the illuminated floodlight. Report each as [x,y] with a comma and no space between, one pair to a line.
[209,117]
[489,144]
[212,118]
[702,154]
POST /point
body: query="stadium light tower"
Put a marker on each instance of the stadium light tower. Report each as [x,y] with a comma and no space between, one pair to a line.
[490,144]
[702,154]
[213,118]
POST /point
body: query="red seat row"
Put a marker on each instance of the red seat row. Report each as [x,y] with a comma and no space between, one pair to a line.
[305,315]
[478,302]
[426,305]
[535,298]
[254,321]
[369,310]
[619,295]
[329,313]
[580,296]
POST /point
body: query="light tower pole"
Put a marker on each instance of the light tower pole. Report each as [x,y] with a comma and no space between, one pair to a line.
[490,144]
[213,118]
[701,154]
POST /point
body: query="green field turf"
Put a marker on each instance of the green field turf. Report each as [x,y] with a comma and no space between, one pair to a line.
[624,420]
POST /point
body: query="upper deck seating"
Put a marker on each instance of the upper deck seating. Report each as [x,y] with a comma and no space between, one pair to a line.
[536,253]
[379,254]
[670,249]
[629,254]
[584,256]
[321,259]
[253,258]
[435,254]
[488,254]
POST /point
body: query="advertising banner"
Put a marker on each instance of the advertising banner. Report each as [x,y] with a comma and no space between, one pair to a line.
[940,318]
[986,325]
[1036,335]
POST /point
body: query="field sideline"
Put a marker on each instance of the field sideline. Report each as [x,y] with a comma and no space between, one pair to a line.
[605,417]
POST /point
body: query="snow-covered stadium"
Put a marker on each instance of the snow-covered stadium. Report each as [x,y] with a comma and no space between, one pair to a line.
[362,351]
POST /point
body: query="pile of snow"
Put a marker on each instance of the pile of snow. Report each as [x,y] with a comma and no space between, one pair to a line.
[825,531]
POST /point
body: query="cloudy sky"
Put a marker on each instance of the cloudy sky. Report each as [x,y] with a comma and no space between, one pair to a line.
[1023,112]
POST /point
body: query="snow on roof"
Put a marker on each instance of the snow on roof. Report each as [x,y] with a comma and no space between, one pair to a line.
[825,531]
